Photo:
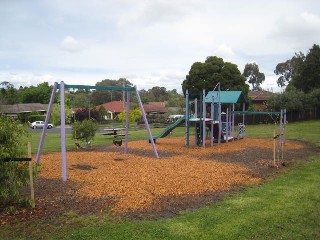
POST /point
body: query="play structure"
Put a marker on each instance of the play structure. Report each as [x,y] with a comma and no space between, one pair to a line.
[61,87]
[214,117]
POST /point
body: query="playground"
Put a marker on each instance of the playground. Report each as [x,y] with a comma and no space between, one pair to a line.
[138,185]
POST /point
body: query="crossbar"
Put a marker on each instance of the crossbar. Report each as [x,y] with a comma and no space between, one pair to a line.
[255,113]
[112,88]
[16,159]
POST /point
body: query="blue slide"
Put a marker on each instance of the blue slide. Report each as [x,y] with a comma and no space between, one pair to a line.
[168,129]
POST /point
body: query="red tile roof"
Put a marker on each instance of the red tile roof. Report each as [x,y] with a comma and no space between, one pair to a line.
[115,106]
[119,106]
[154,107]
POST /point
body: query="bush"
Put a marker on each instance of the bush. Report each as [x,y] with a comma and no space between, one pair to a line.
[84,131]
[13,175]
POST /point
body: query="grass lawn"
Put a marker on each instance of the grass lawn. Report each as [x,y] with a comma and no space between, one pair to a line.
[285,207]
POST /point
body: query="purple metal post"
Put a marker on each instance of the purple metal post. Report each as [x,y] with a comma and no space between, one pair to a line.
[127,122]
[232,126]
[63,133]
[187,118]
[44,130]
[195,108]
[146,123]
[204,113]
[227,125]
[195,116]
[212,121]
[285,123]
[219,113]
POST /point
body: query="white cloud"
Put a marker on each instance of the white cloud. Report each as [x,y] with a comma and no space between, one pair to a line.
[70,44]
[150,42]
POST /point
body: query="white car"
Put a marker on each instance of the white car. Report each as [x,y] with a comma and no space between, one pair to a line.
[40,124]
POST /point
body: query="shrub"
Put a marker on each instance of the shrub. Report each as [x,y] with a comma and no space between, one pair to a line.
[13,175]
[84,131]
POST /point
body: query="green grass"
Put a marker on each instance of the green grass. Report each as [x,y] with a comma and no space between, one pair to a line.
[285,207]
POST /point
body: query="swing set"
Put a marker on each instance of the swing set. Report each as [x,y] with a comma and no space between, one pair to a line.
[61,87]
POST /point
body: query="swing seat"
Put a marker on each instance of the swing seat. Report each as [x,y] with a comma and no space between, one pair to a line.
[117,143]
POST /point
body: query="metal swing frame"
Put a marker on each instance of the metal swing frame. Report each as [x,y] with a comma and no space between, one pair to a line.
[61,87]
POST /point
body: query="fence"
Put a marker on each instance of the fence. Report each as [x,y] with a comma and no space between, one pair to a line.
[292,116]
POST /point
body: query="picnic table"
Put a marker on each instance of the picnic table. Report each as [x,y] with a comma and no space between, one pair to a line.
[114,132]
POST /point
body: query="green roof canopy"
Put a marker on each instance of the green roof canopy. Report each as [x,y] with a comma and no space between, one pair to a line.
[226,97]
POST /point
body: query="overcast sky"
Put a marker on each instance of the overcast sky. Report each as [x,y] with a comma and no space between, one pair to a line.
[151,43]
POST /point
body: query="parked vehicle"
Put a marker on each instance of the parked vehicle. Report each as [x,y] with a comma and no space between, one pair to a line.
[40,124]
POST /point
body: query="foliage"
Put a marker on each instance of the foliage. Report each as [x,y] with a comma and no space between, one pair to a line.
[253,75]
[13,175]
[134,115]
[206,75]
[8,94]
[103,96]
[301,72]
[55,117]
[84,131]
[293,100]
[309,77]
[39,94]
[87,113]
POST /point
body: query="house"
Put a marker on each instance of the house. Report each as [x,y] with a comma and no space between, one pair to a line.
[22,108]
[155,108]
[259,99]
[113,108]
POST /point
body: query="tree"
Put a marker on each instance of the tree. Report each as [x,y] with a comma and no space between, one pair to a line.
[56,116]
[309,77]
[103,96]
[292,100]
[289,69]
[253,75]
[206,75]
[13,175]
[8,94]
[39,94]
[134,115]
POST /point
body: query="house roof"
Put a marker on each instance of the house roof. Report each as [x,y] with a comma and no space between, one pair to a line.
[226,97]
[23,107]
[155,107]
[115,106]
[259,95]
[119,106]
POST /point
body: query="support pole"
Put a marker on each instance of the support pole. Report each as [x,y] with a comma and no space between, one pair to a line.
[195,116]
[204,113]
[219,112]
[43,133]
[227,125]
[212,121]
[63,133]
[187,118]
[195,108]
[127,122]
[31,177]
[274,147]
[146,123]
[232,125]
